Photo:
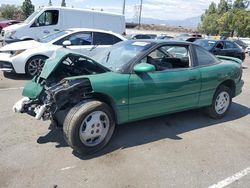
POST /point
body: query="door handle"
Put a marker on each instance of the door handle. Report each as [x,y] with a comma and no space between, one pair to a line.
[192,78]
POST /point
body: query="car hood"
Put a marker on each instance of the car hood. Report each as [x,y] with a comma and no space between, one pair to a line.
[34,87]
[22,45]
[53,62]
[14,27]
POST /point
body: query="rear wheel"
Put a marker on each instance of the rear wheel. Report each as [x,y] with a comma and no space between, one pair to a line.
[221,102]
[35,65]
[89,126]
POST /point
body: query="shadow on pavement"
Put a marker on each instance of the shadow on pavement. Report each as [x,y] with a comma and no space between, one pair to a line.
[151,130]
[15,76]
[55,135]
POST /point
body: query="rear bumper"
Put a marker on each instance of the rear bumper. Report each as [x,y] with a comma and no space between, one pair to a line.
[239,87]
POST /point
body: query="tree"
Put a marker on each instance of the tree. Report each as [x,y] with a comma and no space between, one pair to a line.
[223,7]
[63,4]
[50,3]
[226,18]
[8,11]
[239,4]
[27,8]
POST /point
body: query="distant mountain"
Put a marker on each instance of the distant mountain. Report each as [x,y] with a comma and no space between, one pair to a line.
[187,23]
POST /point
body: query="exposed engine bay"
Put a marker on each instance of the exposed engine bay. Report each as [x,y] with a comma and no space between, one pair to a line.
[59,92]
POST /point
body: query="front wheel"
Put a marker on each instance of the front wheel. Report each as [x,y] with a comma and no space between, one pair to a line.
[221,103]
[35,65]
[89,126]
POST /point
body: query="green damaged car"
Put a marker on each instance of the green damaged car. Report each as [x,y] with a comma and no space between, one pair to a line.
[132,80]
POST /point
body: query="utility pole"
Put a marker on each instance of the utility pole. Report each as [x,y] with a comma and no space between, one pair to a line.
[140,14]
[50,3]
[63,4]
[123,8]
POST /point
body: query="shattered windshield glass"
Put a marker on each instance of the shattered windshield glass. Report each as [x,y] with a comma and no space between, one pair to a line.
[120,54]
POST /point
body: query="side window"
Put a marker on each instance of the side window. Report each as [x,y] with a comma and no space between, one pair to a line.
[204,57]
[230,45]
[83,38]
[169,57]
[116,39]
[219,45]
[49,17]
[103,39]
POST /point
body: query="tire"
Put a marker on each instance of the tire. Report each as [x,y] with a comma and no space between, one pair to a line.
[89,126]
[34,65]
[221,103]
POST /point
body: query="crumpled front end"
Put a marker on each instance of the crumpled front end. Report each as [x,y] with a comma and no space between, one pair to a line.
[44,102]
[62,84]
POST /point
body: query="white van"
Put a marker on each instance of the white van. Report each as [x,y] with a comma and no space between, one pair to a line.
[51,19]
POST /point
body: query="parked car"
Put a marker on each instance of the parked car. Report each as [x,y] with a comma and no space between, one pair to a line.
[48,20]
[142,36]
[222,47]
[164,37]
[132,80]
[248,50]
[247,42]
[242,44]
[6,23]
[29,56]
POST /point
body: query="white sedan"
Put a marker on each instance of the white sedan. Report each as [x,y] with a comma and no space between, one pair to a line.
[28,57]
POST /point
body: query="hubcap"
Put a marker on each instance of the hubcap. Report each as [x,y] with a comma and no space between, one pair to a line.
[222,102]
[94,128]
[35,66]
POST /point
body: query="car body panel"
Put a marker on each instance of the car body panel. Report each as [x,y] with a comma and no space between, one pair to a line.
[178,89]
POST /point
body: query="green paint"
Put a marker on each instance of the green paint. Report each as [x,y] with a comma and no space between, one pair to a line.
[147,94]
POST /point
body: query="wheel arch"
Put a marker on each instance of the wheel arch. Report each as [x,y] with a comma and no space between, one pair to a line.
[109,101]
[33,56]
[230,84]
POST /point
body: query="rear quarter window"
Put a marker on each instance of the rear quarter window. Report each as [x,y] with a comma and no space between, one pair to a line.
[204,57]
[104,39]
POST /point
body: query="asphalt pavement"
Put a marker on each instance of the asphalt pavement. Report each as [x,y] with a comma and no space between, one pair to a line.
[186,149]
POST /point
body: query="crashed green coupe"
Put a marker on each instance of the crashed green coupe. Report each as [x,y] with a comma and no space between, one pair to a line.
[132,80]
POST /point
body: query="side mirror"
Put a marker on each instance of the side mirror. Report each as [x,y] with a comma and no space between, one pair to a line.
[144,68]
[66,43]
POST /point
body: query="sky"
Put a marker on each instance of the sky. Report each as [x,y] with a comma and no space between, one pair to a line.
[158,9]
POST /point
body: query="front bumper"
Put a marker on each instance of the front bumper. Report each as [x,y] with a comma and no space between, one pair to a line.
[6,66]
[6,63]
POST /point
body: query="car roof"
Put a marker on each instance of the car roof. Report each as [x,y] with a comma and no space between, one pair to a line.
[95,30]
[161,41]
[215,40]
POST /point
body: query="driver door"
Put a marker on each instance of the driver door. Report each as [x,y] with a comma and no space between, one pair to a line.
[164,91]
[47,23]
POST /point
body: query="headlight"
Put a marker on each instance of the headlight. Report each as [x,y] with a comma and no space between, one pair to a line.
[9,34]
[14,53]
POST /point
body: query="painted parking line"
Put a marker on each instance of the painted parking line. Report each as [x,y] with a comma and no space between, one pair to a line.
[10,88]
[67,168]
[231,179]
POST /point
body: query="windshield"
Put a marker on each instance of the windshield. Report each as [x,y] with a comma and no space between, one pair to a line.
[53,36]
[32,16]
[121,54]
[207,44]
